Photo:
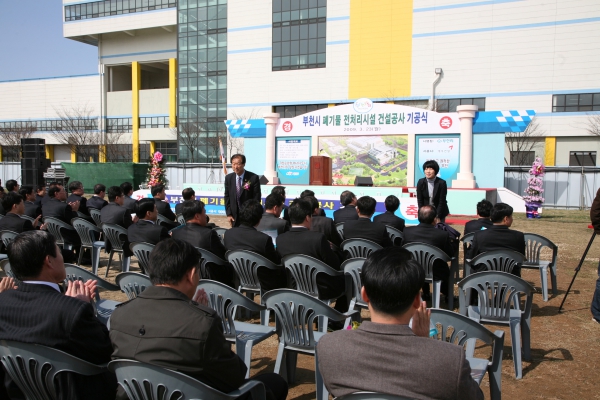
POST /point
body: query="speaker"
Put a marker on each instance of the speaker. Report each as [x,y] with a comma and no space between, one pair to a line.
[263,180]
[34,141]
[32,177]
[363,181]
[33,148]
[35,163]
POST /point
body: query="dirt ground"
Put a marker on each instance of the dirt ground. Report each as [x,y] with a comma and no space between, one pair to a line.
[564,347]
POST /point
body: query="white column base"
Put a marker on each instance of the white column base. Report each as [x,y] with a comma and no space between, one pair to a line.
[464,180]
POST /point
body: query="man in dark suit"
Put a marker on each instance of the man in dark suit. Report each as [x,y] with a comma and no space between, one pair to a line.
[323,224]
[56,207]
[363,227]
[97,200]
[12,221]
[76,189]
[183,333]
[196,233]
[484,209]
[348,213]
[389,218]
[115,213]
[40,193]
[146,229]
[270,220]
[45,197]
[366,359]
[240,185]
[128,202]
[12,186]
[164,208]
[37,312]
[186,194]
[31,209]
[426,232]
[280,190]
[498,236]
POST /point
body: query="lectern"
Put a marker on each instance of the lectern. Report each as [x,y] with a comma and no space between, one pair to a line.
[320,171]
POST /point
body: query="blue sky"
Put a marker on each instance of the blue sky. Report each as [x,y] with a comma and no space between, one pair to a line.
[32,43]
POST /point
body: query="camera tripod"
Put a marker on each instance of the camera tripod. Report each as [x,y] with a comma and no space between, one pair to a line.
[577,269]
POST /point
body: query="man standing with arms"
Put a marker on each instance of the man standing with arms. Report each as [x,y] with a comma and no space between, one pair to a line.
[240,185]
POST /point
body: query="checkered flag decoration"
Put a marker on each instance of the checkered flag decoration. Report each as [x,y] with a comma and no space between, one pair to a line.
[238,126]
[515,120]
[254,128]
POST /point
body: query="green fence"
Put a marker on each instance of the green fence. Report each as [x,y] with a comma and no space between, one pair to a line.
[108,174]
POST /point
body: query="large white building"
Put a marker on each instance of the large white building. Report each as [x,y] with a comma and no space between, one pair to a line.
[164,63]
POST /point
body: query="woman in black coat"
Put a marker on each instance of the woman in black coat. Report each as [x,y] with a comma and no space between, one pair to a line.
[432,190]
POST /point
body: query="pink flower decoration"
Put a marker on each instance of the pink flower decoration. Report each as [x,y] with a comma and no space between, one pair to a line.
[158,156]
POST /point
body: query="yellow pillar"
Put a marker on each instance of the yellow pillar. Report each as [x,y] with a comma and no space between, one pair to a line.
[49,152]
[550,151]
[73,155]
[172,93]
[136,82]
[1,158]
[102,153]
[389,102]
[152,148]
[330,105]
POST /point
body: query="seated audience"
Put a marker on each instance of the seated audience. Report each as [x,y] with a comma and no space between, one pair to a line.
[128,202]
[37,312]
[363,227]
[270,220]
[305,193]
[186,194]
[348,212]
[323,224]
[45,197]
[55,207]
[484,209]
[97,200]
[40,193]
[389,218]
[367,359]
[31,209]
[183,333]
[76,189]
[12,186]
[115,213]
[12,221]
[146,229]
[426,232]
[164,208]
[280,190]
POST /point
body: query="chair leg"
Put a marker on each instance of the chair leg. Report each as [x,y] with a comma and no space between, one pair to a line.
[435,300]
[125,261]
[95,259]
[553,279]
[264,317]
[526,338]
[279,361]
[80,255]
[290,364]
[243,349]
[110,256]
[515,335]
[544,280]
[322,393]
[322,323]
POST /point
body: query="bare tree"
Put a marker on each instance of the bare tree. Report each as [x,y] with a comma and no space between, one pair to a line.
[116,146]
[593,124]
[193,136]
[78,129]
[521,144]
[10,138]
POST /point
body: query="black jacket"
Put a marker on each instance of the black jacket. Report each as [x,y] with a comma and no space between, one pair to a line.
[253,192]
[425,233]
[497,237]
[12,222]
[200,236]
[82,203]
[478,225]
[246,237]
[347,213]
[96,202]
[440,191]
[145,231]
[326,226]
[269,222]
[32,209]
[390,219]
[113,213]
[364,228]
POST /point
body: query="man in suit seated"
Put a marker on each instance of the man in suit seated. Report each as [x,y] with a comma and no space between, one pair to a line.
[389,218]
[115,213]
[128,202]
[348,213]
[426,232]
[186,194]
[280,190]
[196,233]
[164,208]
[56,207]
[97,200]
[363,227]
[76,189]
[37,312]
[12,221]
[484,209]
[146,229]
[183,333]
[498,236]
[323,224]
[31,209]
[40,193]
[12,186]
[270,220]
[366,359]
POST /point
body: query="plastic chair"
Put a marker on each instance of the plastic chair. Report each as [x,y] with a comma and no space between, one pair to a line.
[89,234]
[467,242]
[304,270]
[224,301]
[458,329]
[534,244]
[95,213]
[54,225]
[497,292]
[164,221]
[295,313]
[340,228]
[28,218]
[206,258]
[359,248]
[113,234]
[394,234]
[352,269]
[7,237]
[5,266]
[503,260]
[141,251]
[142,381]
[180,219]
[103,308]
[132,283]
[371,396]
[426,254]
[220,233]
[34,367]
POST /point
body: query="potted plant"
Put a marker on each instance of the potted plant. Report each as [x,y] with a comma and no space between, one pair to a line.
[533,194]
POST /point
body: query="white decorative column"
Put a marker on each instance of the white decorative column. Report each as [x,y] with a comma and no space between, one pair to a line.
[465,178]
[271,121]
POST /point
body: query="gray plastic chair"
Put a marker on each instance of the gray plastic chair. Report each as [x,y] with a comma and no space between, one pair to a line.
[95,213]
[467,242]
[499,296]
[304,270]
[221,233]
[132,283]
[359,248]
[34,367]
[103,308]
[89,235]
[144,381]
[206,258]
[5,266]
[113,234]
[28,218]
[54,225]
[426,254]
[534,245]
[371,396]
[503,260]
[352,269]
[224,301]
[164,221]
[458,329]
[7,237]
[396,235]
[180,219]
[340,228]
[141,251]
[295,313]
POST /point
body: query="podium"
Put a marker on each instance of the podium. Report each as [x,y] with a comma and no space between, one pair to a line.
[320,171]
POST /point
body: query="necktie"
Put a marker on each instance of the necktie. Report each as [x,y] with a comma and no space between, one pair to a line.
[239,188]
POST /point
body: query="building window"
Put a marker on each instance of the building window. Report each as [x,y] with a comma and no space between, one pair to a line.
[117,125]
[144,151]
[582,159]
[53,125]
[11,153]
[87,153]
[522,157]
[168,150]
[154,122]
[98,9]
[576,102]
[449,105]
[292,111]
[299,34]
